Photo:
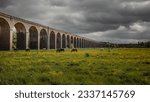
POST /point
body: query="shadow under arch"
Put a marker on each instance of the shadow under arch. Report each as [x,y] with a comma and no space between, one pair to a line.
[52,40]
[33,38]
[75,42]
[58,40]
[4,34]
[68,41]
[78,43]
[20,36]
[43,39]
[63,41]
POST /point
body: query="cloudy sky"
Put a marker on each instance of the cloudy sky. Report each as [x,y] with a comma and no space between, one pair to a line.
[121,21]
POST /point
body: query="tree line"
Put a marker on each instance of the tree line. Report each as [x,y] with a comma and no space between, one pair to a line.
[129,45]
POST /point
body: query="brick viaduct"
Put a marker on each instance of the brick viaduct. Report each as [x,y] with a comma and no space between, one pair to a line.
[36,36]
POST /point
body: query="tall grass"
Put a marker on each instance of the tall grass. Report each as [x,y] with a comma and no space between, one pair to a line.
[87,66]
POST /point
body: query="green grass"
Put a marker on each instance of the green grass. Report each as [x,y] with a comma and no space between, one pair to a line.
[87,66]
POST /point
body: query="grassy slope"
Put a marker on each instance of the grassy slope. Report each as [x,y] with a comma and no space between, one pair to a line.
[88,66]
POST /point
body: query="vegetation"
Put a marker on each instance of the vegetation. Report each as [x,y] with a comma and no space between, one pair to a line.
[129,45]
[87,66]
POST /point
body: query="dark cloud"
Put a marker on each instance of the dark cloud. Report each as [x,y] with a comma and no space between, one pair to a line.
[97,19]
[113,12]
[57,2]
[5,3]
[135,32]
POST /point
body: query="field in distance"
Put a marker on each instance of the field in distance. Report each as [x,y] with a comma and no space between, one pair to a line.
[86,67]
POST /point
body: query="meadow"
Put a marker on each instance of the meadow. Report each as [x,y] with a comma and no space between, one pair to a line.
[123,66]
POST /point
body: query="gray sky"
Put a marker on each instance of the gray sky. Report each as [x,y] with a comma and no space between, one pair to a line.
[124,21]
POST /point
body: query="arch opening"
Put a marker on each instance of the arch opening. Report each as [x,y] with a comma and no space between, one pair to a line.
[52,40]
[83,43]
[43,39]
[4,34]
[68,41]
[58,40]
[63,41]
[19,37]
[80,44]
[72,45]
[33,38]
[75,42]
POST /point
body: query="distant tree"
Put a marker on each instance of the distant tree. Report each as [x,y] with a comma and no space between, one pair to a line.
[147,44]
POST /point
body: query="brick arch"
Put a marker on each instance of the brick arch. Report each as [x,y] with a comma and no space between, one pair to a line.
[52,40]
[33,37]
[68,41]
[63,41]
[4,34]
[20,36]
[43,39]
[75,42]
[58,40]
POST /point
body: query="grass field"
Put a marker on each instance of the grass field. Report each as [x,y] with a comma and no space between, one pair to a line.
[87,66]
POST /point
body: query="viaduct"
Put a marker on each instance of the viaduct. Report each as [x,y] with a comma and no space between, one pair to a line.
[30,35]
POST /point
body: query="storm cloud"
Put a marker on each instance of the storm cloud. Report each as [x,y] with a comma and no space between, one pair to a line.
[103,20]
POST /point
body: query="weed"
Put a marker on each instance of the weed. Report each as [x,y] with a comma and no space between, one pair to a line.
[73,64]
[146,73]
[146,62]
[87,54]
